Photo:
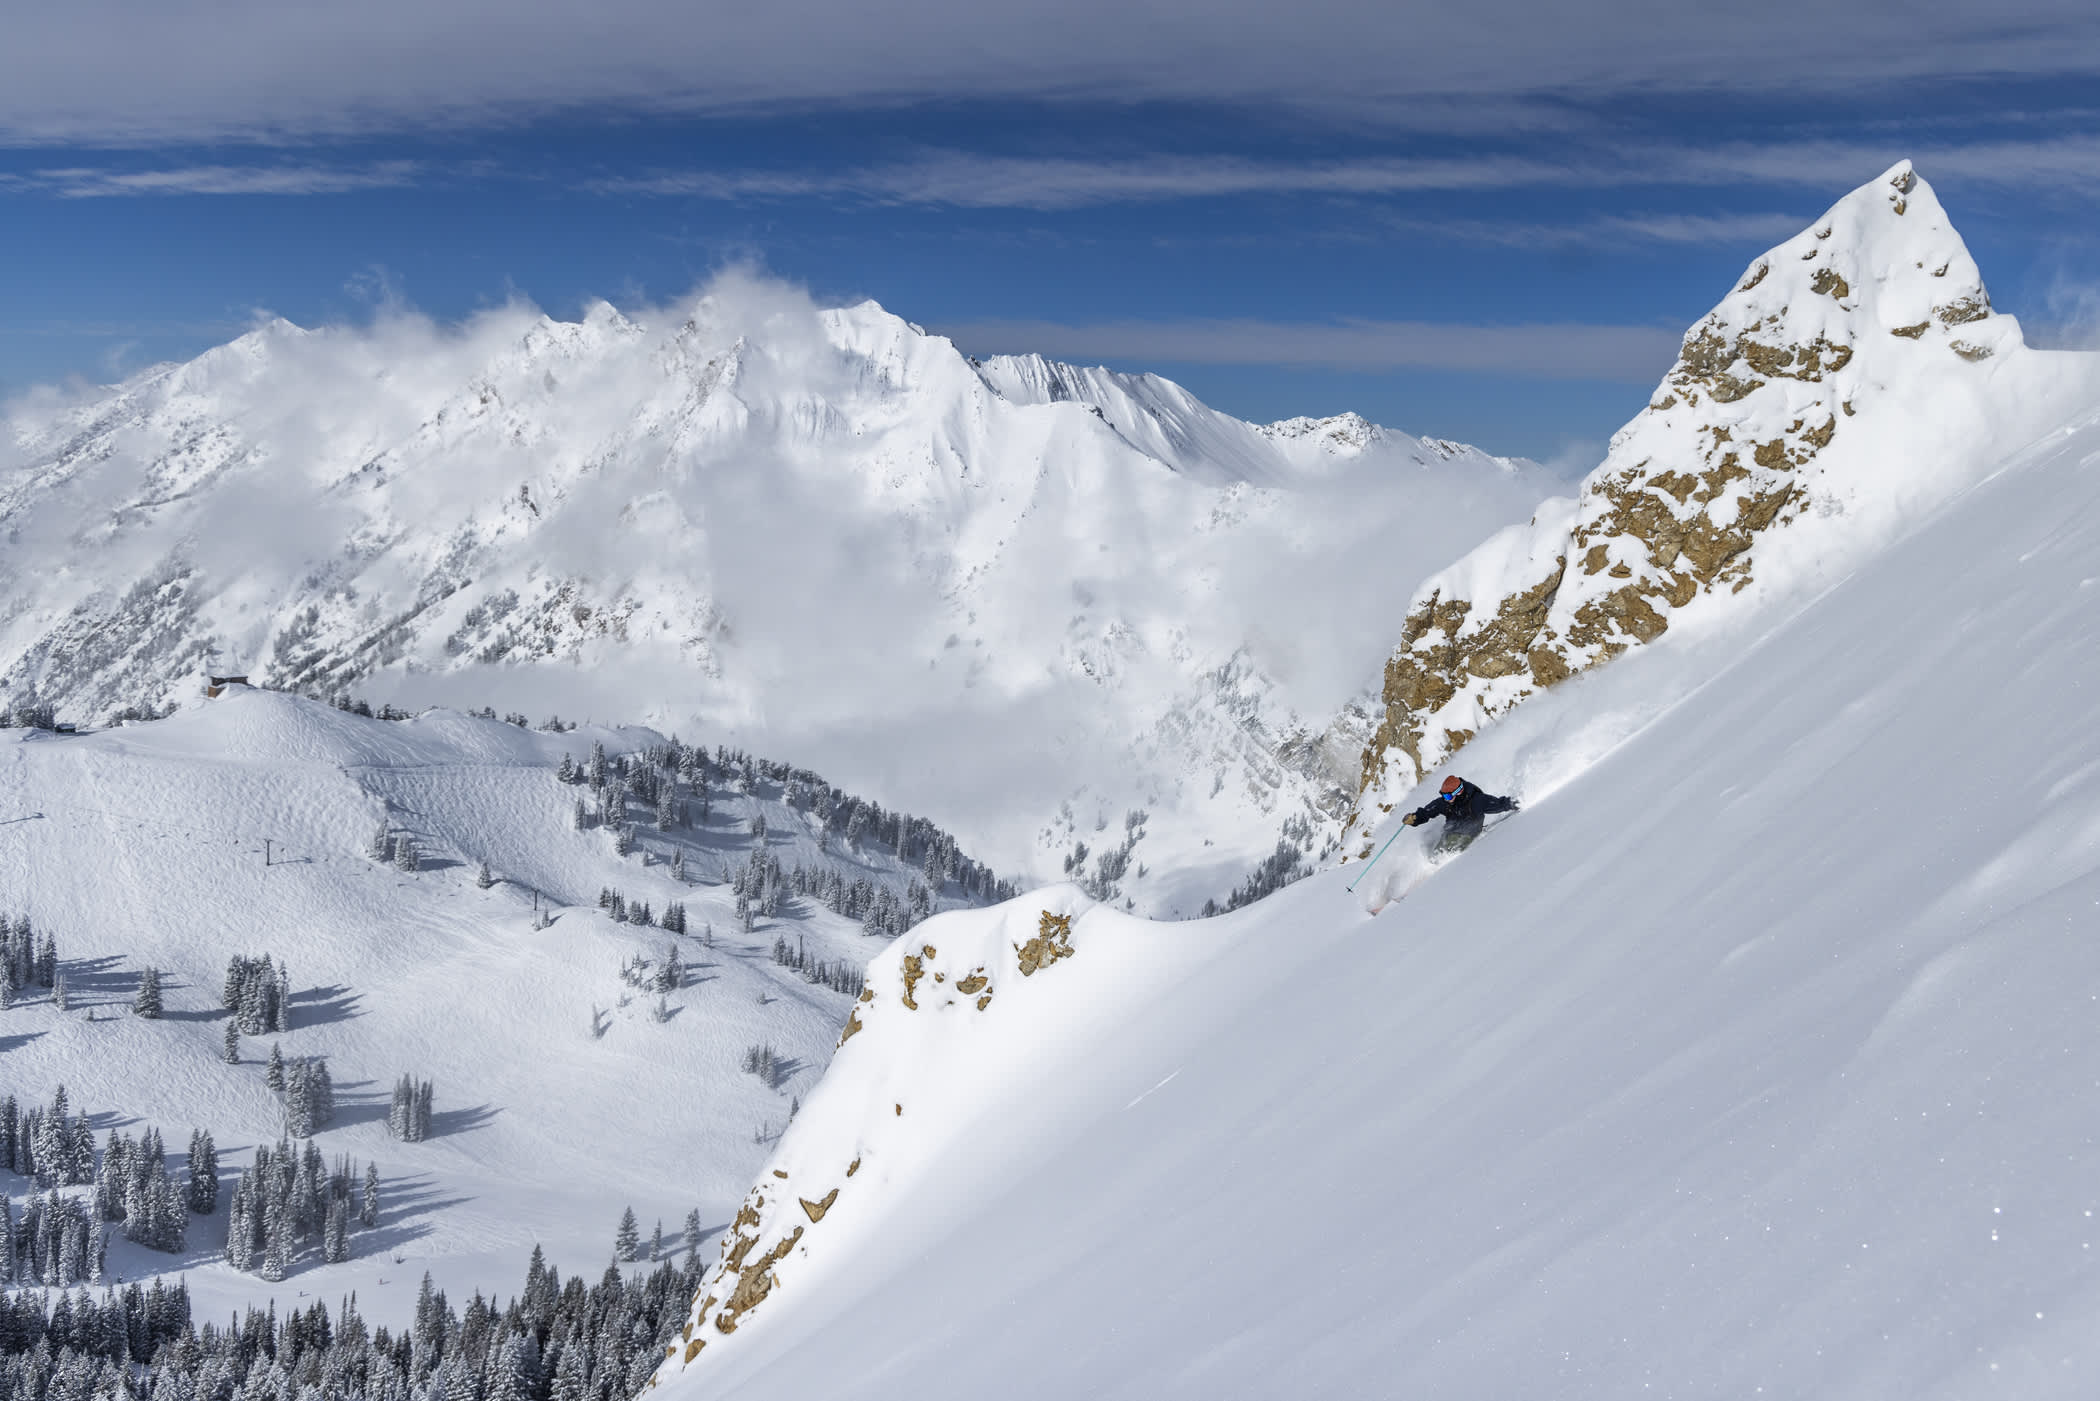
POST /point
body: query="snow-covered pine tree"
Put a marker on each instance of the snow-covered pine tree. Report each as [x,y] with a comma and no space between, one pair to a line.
[406,858]
[656,1242]
[670,971]
[240,1226]
[274,1076]
[61,998]
[281,1001]
[203,1194]
[298,1100]
[692,1237]
[277,1240]
[484,878]
[566,771]
[380,846]
[628,1239]
[232,1052]
[581,820]
[147,1002]
[335,1236]
[368,1201]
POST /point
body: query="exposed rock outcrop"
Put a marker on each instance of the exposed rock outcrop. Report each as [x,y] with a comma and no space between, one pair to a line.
[1821,341]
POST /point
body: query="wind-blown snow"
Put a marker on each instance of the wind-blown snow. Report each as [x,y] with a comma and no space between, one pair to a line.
[978,590]
[1747,1059]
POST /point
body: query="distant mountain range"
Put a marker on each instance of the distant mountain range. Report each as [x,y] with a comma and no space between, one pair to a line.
[819,531]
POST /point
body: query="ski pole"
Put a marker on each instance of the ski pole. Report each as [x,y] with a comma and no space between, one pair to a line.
[1374,860]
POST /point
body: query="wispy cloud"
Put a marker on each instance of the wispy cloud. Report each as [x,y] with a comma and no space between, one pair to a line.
[96,71]
[1619,354]
[1615,230]
[90,182]
[962,179]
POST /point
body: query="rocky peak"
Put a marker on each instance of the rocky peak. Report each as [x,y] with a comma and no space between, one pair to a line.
[1824,338]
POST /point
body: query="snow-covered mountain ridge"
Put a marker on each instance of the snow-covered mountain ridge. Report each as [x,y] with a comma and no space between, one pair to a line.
[819,532]
[1854,378]
[1745,1060]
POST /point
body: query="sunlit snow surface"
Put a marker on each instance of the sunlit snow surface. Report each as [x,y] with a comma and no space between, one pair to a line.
[976,590]
[145,846]
[1755,1056]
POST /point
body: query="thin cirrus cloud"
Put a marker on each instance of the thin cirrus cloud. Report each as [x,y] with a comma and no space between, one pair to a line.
[963,179]
[1615,354]
[114,71]
[86,182]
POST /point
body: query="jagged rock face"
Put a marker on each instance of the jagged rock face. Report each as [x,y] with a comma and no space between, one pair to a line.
[1819,343]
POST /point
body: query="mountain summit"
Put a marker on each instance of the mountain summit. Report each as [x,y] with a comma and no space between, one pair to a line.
[1855,375]
[819,529]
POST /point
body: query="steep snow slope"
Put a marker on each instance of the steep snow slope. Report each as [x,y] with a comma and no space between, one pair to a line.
[1855,378]
[821,533]
[145,846]
[1748,1059]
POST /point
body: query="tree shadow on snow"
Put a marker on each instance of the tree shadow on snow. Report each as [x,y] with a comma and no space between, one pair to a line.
[450,1121]
[320,1006]
[9,1043]
[96,977]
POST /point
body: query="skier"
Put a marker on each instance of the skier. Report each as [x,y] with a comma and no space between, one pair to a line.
[1464,808]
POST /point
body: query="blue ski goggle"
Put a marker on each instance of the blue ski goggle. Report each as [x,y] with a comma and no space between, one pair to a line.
[1447,797]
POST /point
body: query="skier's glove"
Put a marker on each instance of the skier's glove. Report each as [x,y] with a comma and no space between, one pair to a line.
[1409,820]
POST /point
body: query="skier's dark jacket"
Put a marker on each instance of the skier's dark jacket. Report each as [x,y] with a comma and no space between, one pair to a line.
[1465,808]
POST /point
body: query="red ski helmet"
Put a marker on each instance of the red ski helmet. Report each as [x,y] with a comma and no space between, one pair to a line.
[1452,785]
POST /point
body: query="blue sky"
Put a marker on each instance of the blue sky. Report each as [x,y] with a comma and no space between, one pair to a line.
[1489,223]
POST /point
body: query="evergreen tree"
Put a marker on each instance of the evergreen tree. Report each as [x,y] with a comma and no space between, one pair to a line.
[147,1002]
[335,1239]
[204,1173]
[656,1242]
[274,1076]
[298,1101]
[482,878]
[368,1205]
[628,1239]
[692,1236]
[232,1054]
[405,854]
[59,996]
[566,773]
[381,846]
[277,1241]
